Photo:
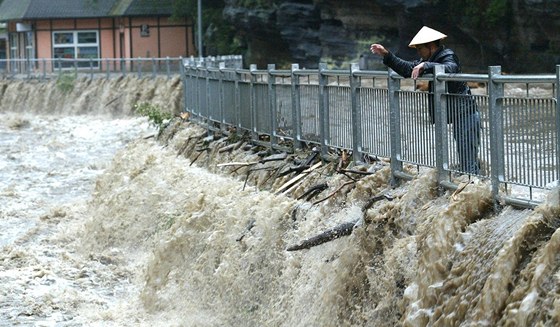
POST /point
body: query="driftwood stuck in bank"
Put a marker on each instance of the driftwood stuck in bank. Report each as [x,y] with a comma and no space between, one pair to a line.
[343,229]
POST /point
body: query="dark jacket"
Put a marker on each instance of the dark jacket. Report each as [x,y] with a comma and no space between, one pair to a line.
[451,63]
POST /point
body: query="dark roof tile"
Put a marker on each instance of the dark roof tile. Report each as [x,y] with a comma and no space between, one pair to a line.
[37,9]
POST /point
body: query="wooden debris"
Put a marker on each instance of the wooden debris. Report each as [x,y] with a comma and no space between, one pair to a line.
[343,229]
[295,180]
[186,144]
[184,116]
[243,164]
[200,152]
[326,236]
[275,157]
[250,226]
[226,148]
[459,189]
[314,190]
[343,161]
[115,99]
[334,192]
[376,198]
[290,170]
[304,165]
[358,172]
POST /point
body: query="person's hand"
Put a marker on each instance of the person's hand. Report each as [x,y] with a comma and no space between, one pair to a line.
[417,70]
[378,49]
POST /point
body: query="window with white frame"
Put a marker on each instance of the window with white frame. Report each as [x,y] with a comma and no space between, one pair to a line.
[76,45]
[14,53]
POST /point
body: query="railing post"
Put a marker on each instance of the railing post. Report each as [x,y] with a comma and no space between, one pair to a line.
[123,66]
[323,107]
[394,85]
[208,115]
[355,84]
[296,107]
[28,66]
[237,100]
[272,103]
[91,68]
[44,68]
[154,68]
[221,104]
[253,69]
[558,124]
[440,123]
[107,68]
[495,95]
[184,81]
[168,68]
[140,63]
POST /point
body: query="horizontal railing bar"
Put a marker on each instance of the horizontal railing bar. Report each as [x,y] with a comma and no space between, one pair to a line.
[305,72]
[524,79]
[463,77]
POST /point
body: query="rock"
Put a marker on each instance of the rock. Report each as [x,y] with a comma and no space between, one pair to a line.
[339,32]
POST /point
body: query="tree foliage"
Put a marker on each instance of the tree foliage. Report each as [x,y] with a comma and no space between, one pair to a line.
[478,14]
[218,35]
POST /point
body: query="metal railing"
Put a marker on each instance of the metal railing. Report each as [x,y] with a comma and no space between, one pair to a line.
[380,114]
[45,68]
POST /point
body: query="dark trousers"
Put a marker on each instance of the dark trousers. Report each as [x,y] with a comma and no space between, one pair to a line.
[466,131]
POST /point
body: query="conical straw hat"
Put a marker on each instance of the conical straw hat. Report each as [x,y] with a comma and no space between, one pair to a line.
[426,35]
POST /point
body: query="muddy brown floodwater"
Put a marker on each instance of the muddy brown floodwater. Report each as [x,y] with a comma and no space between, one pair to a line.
[102,226]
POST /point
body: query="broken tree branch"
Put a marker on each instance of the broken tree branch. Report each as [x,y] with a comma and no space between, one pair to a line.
[200,152]
[334,192]
[343,229]
[294,180]
[311,192]
[359,172]
[242,164]
[250,226]
[326,236]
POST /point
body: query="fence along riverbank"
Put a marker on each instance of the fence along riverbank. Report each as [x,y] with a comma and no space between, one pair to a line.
[369,113]
[380,114]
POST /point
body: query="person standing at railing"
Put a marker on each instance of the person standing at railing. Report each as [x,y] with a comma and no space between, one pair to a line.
[462,111]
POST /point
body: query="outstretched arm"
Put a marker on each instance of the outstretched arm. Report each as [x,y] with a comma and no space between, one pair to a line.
[402,67]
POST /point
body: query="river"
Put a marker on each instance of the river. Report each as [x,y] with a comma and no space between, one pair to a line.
[102,225]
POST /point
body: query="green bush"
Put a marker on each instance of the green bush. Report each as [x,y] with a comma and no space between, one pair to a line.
[66,81]
[155,114]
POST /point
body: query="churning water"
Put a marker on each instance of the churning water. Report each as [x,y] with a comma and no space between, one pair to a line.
[101,226]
